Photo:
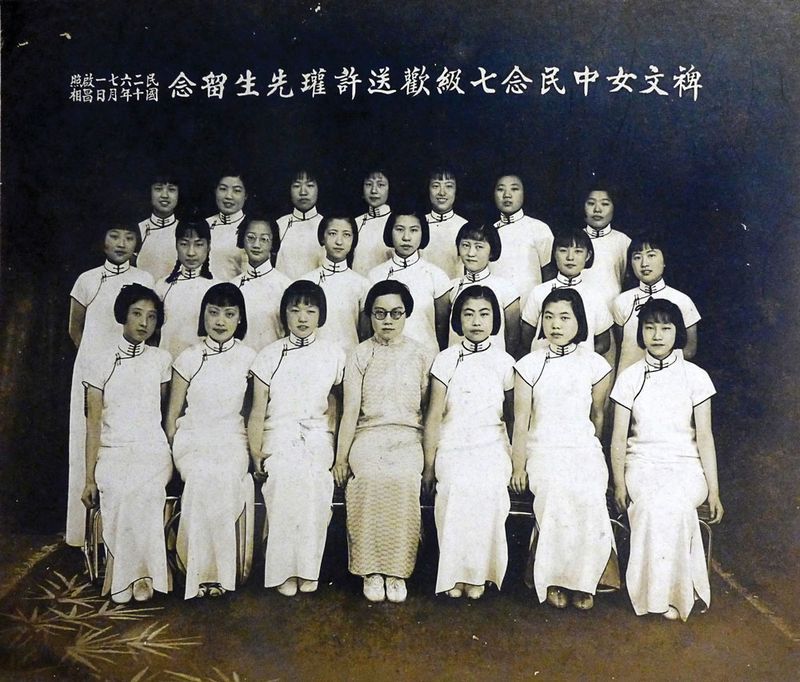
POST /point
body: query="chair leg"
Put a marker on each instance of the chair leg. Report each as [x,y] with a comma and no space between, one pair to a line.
[91,543]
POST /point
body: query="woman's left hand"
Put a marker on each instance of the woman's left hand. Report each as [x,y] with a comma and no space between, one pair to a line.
[519,481]
[715,508]
[428,481]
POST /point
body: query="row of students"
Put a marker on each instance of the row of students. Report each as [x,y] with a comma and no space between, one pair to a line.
[662,471]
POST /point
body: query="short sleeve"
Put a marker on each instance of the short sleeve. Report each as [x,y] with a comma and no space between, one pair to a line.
[544,244]
[691,316]
[266,363]
[600,368]
[620,312]
[526,368]
[341,360]
[441,368]
[602,317]
[166,365]
[363,291]
[508,372]
[700,385]
[507,293]
[441,282]
[97,372]
[80,290]
[624,390]
[186,363]
[531,312]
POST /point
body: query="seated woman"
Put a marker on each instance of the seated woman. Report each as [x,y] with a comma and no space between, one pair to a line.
[128,463]
[559,395]
[665,466]
[380,440]
[209,444]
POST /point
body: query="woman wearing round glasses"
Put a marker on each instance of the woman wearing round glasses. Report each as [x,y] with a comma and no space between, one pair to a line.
[380,445]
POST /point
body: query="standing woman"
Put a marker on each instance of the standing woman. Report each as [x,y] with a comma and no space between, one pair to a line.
[291,439]
[665,466]
[230,193]
[209,444]
[559,395]
[380,442]
[92,328]
[128,463]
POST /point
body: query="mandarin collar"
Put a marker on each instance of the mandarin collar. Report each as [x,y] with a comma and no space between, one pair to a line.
[225,219]
[297,214]
[114,269]
[297,342]
[595,233]
[563,281]
[331,268]
[377,211]
[391,342]
[187,273]
[561,351]
[513,218]
[436,217]
[215,347]
[158,223]
[403,263]
[654,364]
[472,347]
[128,349]
[476,276]
[654,288]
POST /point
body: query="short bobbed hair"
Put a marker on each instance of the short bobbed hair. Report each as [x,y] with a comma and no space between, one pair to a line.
[258,218]
[600,186]
[665,312]
[387,287]
[115,224]
[441,173]
[193,224]
[485,232]
[307,292]
[224,295]
[338,215]
[232,172]
[165,176]
[303,172]
[576,302]
[392,219]
[475,291]
[645,242]
[573,237]
[130,294]
[372,171]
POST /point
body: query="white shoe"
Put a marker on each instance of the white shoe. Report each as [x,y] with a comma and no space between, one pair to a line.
[288,588]
[122,597]
[373,587]
[671,613]
[457,591]
[308,585]
[475,591]
[143,589]
[396,589]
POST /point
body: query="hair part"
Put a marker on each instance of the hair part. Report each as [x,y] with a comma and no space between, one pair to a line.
[183,230]
[387,287]
[485,232]
[476,292]
[326,221]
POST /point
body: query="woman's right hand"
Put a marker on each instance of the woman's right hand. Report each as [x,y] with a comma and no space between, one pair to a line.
[341,473]
[519,481]
[259,471]
[90,496]
[621,498]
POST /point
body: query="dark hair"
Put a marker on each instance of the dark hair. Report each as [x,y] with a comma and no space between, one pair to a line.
[223,295]
[304,291]
[666,312]
[326,221]
[508,173]
[131,293]
[600,186]
[480,292]
[486,232]
[441,173]
[644,242]
[573,237]
[387,287]
[115,224]
[202,229]
[165,176]
[259,218]
[232,172]
[376,170]
[394,215]
[574,299]
[306,173]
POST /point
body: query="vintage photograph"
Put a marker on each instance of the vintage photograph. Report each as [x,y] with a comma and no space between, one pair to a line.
[351,340]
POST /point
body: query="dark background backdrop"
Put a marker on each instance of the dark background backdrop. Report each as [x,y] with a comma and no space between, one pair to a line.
[718,176]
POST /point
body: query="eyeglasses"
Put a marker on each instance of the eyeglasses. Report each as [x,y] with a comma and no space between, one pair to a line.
[251,238]
[380,313]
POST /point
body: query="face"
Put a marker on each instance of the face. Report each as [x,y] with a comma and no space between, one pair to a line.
[338,239]
[302,319]
[304,193]
[388,328]
[509,194]
[140,323]
[559,323]
[648,265]
[192,250]
[163,198]
[571,260]
[376,190]
[599,209]
[119,245]
[442,193]
[474,254]
[477,319]
[221,321]
[406,235]
[230,194]
[659,338]
[257,242]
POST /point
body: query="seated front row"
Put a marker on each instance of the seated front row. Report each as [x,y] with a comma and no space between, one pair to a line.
[385,453]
